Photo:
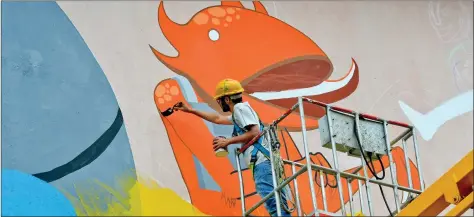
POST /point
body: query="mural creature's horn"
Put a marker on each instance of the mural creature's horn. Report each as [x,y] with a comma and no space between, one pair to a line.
[259,7]
[171,30]
[170,62]
[232,3]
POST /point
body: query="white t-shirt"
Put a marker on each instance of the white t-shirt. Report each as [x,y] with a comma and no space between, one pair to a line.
[244,115]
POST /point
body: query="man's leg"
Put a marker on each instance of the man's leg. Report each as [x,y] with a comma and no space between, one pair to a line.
[264,185]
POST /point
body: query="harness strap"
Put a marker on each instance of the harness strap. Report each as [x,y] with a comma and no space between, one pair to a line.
[257,145]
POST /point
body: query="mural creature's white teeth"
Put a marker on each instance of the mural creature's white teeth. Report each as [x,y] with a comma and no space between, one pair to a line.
[324,87]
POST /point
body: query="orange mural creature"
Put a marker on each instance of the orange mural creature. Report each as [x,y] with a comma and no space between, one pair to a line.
[260,51]
[264,54]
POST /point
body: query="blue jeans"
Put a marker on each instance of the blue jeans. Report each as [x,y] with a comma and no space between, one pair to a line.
[264,185]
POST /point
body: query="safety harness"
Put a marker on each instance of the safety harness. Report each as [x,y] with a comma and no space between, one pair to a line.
[258,147]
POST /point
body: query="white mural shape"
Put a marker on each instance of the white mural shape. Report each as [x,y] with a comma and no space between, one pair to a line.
[427,124]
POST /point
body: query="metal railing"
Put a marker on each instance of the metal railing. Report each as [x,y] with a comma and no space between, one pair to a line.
[308,166]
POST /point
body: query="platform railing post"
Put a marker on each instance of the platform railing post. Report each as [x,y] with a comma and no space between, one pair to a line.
[335,161]
[392,167]
[275,183]
[367,183]
[323,190]
[408,168]
[418,161]
[349,189]
[297,194]
[361,197]
[307,156]
[241,182]
[407,163]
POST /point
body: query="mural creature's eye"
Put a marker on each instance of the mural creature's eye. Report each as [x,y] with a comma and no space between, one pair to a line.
[213,35]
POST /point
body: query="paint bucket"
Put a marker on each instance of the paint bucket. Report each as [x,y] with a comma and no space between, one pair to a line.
[221,152]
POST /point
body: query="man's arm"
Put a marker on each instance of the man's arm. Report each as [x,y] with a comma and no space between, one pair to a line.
[211,117]
[246,137]
[243,139]
[244,116]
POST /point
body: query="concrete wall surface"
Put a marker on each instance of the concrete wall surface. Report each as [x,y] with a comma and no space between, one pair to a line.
[84,85]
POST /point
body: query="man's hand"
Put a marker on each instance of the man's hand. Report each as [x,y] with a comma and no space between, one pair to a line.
[182,107]
[220,142]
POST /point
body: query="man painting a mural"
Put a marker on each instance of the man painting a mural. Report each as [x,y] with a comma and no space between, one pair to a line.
[247,125]
[91,123]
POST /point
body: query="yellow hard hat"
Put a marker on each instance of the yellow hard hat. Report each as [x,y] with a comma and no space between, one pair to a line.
[228,87]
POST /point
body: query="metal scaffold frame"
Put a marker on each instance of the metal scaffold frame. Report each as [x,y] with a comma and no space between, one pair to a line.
[309,166]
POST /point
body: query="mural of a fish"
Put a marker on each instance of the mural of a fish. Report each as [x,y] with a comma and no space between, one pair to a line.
[262,52]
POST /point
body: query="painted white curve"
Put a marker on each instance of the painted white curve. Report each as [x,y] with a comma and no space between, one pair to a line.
[429,123]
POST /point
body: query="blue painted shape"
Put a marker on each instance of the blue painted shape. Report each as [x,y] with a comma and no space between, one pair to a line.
[205,179]
[26,195]
[186,88]
[56,100]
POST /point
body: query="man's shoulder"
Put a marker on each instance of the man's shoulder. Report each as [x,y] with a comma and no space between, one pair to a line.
[243,111]
[243,106]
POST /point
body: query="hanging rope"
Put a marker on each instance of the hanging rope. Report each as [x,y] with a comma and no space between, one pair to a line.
[279,167]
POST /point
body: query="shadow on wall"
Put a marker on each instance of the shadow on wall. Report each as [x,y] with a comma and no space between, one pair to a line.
[60,118]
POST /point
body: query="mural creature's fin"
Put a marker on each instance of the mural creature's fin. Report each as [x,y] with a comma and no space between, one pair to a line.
[232,3]
[259,7]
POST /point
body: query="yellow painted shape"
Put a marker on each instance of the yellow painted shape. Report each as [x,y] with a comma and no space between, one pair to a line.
[462,206]
[443,192]
[356,214]
[132,198]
